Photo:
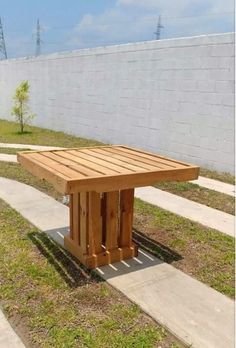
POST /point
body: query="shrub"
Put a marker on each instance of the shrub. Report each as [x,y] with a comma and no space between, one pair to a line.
[20,108]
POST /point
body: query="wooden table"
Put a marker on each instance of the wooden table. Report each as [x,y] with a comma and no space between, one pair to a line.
[101,181]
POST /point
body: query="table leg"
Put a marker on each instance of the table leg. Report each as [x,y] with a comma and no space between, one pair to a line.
[101,227]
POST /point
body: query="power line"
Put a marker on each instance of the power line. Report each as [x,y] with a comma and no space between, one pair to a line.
[2,42]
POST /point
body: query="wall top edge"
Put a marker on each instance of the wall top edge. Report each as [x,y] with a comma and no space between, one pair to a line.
[200,40]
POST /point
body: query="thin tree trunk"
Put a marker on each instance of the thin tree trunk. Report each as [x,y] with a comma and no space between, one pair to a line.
[21,118]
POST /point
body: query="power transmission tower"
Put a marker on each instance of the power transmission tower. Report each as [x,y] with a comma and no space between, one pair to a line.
[38,39]
[159,27]
[2,42]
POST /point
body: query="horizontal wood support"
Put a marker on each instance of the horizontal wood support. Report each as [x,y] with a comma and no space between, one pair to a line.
[126,181]
[103,258]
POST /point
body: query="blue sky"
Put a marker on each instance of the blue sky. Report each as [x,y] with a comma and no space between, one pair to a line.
[74,24]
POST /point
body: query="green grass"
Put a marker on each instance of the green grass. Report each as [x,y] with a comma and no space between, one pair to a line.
[203,253]
[16,172]
[212,174]
[9,133]
[198,251]
[11,151]
[60,304]
[200,194]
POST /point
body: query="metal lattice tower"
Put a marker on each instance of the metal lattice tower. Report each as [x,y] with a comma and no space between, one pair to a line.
[159,27]
[38,39]
[3,50]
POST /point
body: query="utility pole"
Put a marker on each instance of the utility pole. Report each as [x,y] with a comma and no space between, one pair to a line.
[38,39]
[2,42]
[159,27]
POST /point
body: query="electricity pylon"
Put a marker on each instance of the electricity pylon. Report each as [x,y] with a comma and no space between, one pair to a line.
[159,27]
[38,39]
[3,50]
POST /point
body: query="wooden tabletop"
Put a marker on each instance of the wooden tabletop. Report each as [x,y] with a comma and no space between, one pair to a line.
[104,168]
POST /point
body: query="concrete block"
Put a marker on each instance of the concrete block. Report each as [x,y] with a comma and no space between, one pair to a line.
[206,86]
[172,87]
[222,50]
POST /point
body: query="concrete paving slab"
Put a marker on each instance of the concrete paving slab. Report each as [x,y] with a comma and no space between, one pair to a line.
[8,337]
[194,312]
[189,309]
[29,146]
[206,216]
[8,158]
[215,185]
[34,205]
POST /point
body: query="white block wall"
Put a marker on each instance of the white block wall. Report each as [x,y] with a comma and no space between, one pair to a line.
[173,97]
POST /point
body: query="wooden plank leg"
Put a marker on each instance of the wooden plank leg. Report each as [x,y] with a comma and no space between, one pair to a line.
[84,222]
[95,223]
[71,216]
[126,217]
[74,217]
[98,237]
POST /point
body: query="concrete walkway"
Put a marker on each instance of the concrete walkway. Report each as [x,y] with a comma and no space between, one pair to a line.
[215,185]
[207,216]
[8,337]
[194,312]
[8,158]
[29,146]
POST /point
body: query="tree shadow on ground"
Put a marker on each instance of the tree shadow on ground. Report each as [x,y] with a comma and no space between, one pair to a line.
[69,268]
[21,133]
[155,248]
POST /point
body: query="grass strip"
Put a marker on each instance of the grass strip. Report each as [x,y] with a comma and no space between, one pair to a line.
[9,133]
[203,253]
[213,174]
[11,150]
[54,302]
[196,193]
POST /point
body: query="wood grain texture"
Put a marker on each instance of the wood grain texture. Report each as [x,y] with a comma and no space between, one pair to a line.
[112,219]
[126,217]
[104,169]
[95,223]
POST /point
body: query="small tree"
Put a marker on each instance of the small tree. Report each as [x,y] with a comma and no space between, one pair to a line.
[20,108]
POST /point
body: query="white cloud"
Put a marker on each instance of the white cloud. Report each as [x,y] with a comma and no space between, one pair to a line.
[135,20]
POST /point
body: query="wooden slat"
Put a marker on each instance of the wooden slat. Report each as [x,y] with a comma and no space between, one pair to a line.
[142,160]
[104,258]
[93,162]
[126,217]
[84,221]
[57,167]
[112,201]
[116,153]
[76,218]
[95,223]
[101,159]
[157,158]
[59,181]
[110,159]
[113,168]
[62,158]
[71,217]
[103,213]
